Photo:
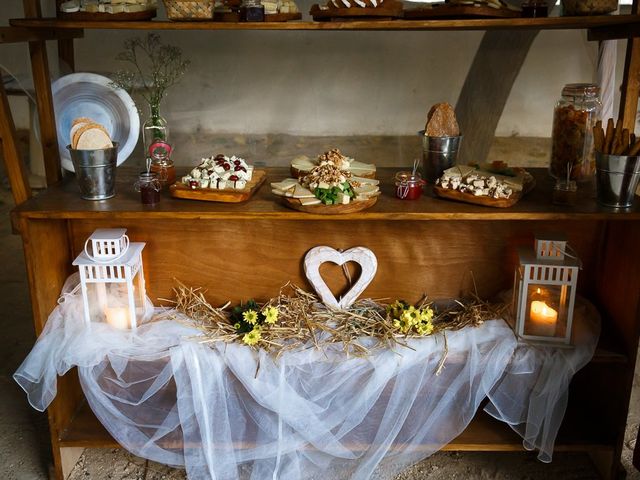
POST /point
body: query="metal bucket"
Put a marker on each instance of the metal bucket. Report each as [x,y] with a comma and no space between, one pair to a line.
[617,178]
[95,171]
[438,154]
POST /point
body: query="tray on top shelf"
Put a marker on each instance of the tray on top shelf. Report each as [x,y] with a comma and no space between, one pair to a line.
[108,17]
[387,10]
[178,190]
[450,10]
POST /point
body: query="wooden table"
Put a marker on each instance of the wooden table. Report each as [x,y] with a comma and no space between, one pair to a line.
[249,250]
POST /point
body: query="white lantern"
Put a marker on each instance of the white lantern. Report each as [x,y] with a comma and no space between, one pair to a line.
[112,279]
[545,291]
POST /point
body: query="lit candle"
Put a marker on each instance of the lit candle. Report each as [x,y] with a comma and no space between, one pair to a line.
[543,319]
[117,317]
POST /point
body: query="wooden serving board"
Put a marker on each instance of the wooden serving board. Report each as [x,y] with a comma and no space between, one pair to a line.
[388,10]
[178,190]
[282,17]
[329,209]
[459,11]
[470,198]
[108,17]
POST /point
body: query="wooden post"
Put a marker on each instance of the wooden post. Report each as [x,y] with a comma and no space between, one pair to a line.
[487,87]
[65,54]
[13,163]
[631,81]
[42,85]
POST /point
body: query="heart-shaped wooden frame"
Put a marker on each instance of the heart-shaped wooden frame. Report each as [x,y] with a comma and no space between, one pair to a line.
[319,255]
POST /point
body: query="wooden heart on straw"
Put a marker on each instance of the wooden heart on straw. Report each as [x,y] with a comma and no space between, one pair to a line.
[360,255]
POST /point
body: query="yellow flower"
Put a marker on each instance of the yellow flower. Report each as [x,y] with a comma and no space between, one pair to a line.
[396,324]
[425,328]
[250,316]
[270,315]
[426,314]
[236,326]
[252,337]
[409,317]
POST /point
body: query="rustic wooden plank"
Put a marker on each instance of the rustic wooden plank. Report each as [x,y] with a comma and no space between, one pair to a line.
[42,85]
[631,80]
[16,172]
[611,21]
[486,89]
[19,34]
[48,264]
[63,201]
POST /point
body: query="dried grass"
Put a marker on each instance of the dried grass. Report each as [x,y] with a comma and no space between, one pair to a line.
[303,320]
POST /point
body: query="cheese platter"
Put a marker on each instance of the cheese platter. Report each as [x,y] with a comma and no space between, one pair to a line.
[219,179]
[302,165]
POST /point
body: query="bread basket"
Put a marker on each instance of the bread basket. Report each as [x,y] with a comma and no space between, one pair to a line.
[189,9]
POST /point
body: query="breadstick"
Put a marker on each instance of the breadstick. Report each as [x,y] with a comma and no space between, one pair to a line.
[625,141]
[608,138]
[617,137]
[598,137]
[635,149]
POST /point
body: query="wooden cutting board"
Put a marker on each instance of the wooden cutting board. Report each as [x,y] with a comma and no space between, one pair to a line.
[108,17]
[459,11]
[228,195]
[321,209]
[388,9]
[470,198]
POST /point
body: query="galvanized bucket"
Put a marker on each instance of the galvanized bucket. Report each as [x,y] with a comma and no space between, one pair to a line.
[438,154]
[617,178]
[95,172]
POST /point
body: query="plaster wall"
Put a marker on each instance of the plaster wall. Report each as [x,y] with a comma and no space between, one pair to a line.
[329,83]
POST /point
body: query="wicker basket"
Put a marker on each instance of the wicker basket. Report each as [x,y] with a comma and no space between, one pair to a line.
[588,7]
[189,9]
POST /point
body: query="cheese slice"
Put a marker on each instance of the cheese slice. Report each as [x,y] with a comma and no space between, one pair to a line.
[365,181]
[303,163]
[280,193]
[362,168]
[310,201]
[301,192]
[286,184]
[366,189]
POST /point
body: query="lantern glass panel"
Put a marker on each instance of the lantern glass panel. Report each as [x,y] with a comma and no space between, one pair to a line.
[546,314]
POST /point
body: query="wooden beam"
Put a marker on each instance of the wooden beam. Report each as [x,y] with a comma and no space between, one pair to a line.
[599,34]
[13,163]
[19,34]
[487,87]
[42,85]
[66,55]
[631,81]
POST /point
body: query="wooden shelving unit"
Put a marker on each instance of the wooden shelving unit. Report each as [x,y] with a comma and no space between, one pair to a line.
[438,241]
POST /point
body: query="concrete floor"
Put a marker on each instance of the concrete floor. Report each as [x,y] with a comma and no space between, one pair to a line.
[24,441]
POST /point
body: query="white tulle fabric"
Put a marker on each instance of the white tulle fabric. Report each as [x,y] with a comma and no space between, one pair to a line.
[532,396]
[226,411]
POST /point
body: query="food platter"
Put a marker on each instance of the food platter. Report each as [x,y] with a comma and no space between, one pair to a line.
[353,207]
[90,95]
[229,195]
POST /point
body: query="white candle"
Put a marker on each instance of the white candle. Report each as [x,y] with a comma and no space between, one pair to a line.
[542,319]
[117,317]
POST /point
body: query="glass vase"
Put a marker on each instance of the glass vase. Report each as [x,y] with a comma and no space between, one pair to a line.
[157,149]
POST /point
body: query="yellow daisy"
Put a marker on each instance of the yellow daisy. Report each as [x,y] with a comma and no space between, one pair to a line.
[270,315]
[250,316]
[252,337]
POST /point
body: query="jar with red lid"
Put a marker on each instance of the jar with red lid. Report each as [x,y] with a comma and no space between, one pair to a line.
[409,185]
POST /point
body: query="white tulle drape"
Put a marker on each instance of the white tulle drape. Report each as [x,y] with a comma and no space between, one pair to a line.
[226,411]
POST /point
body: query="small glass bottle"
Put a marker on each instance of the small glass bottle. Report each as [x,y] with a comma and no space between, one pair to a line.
[572,138]
[149,187]
[252,11]
[409,185]
[154,129]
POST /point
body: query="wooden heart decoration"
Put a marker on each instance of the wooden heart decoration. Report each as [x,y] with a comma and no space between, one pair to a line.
[319,255]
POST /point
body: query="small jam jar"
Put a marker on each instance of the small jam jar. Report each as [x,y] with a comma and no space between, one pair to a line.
[409,185]
[149,187]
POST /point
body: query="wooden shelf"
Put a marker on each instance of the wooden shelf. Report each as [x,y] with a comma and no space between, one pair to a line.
[550,23]
[483,434]
[63,202]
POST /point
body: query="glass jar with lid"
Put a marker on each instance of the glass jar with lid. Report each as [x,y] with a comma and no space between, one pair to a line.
[574,116]
[409,185]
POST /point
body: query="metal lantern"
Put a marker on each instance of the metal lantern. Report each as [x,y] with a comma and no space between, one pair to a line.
[545,285]
[112,279]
